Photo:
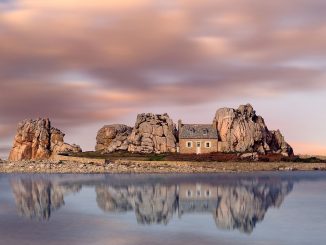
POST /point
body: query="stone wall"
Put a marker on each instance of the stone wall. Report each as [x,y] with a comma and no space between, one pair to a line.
[222,146]
[183,149]
[84,160]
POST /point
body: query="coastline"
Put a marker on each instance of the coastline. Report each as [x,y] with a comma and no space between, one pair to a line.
[151,167]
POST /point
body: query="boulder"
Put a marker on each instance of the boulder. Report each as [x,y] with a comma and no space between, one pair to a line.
[58,145]
[250,156]
[278,144]
[112,138]
[38,140]
[241,130]
[153,134]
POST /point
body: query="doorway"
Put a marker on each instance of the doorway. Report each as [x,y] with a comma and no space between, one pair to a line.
[198,148]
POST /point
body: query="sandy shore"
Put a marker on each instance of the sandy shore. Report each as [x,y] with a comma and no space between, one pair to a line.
[121,166]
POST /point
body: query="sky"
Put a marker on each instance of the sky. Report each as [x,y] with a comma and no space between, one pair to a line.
[85,64]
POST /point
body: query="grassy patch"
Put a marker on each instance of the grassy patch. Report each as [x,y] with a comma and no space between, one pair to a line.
[305,160]
[213,157]
[157,157]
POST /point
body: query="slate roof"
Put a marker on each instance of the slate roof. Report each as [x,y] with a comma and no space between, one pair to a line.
[197,131]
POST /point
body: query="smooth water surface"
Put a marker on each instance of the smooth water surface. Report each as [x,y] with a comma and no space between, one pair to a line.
[260,208]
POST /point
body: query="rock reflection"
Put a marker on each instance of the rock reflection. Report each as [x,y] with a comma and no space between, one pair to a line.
[241,207]
[153,204]
[37,199]
[238,206]
[234,203]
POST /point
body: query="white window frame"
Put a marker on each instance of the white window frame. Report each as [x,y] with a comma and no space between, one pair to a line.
[210,144]
[187,144]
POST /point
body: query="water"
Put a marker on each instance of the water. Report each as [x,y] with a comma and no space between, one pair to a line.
[260,208]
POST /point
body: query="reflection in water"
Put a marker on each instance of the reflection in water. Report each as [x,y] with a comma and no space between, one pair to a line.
[36,199]
[241,207]
[234,204]
[153,204]
[233,207]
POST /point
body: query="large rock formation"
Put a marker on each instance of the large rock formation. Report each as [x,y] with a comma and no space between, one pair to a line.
[112,138]
[153,134]
[242,130]
[38,140]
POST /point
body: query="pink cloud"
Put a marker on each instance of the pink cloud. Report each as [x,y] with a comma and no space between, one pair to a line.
[135,54]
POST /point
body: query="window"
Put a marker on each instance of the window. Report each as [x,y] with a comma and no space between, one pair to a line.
[189,194]
[208,144]
[205,131]
[189,144]
[208,193]
[198,193]
[198,144]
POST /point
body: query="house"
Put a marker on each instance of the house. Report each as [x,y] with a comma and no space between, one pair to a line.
[197,138]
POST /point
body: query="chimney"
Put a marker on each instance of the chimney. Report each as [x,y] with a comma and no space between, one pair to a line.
[179,125]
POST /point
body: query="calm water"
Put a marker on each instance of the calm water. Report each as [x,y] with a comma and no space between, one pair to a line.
[263,208]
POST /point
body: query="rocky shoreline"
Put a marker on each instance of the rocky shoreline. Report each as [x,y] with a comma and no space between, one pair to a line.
[127,166]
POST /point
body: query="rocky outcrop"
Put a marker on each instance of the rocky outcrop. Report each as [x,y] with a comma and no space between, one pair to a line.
[277,143]
[153,134]
[37,199]
[152,204]
[241,130]
[57,144]
[112,138]
[38,140]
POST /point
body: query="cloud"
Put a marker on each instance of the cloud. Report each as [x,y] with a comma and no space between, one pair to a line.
[125,55]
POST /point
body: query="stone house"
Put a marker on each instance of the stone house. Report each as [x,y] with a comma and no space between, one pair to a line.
[197,138]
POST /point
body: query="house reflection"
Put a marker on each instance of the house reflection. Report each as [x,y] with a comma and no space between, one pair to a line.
[197,198]
[236,204]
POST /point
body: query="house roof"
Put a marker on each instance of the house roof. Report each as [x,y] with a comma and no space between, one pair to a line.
[197,131]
